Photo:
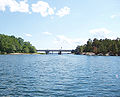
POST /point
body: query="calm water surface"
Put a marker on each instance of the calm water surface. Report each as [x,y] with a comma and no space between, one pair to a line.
[59,76]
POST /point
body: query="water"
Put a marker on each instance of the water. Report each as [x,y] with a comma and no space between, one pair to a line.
[59,76]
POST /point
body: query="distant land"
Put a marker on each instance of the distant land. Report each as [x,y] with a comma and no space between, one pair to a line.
[102,47]
[11,44]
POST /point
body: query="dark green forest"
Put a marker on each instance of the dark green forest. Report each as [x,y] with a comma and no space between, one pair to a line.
[11,44]
[100,46]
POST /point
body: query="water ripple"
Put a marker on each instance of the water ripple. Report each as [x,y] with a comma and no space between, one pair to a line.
[59,76]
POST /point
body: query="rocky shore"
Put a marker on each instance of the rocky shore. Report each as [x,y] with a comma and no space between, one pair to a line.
[100,54]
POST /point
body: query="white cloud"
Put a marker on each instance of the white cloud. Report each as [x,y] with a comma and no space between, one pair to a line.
[100,33]
[47,33]
[40,7]
[43,8]
[114,16]
[63,11]
[3,4]
[28,35]
[100,30]
[68,43]
[14,6]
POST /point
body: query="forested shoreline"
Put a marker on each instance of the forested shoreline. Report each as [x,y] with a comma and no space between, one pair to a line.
[103,47]
[12,44]
[107,47]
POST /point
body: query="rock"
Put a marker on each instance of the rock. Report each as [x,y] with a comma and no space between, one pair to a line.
[107,54]
[90,54]
[100,54]
[111,54]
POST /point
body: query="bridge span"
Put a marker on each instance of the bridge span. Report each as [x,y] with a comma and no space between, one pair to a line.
[52,51]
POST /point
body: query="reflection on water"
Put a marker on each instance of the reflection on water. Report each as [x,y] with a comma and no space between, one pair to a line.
[59,75]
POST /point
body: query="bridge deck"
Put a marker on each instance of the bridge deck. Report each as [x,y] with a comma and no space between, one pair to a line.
[55,50]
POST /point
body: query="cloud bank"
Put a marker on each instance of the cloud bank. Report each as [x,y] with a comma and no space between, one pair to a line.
[66,42]
[102,33]
[14,6]
[114,16]
[47,33]
[41,7]
[27,34]
[63,11]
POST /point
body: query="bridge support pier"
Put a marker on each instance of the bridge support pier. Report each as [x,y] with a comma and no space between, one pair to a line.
[60,52]
[47,52]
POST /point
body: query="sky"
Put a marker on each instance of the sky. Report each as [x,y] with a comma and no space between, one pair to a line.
[52,24]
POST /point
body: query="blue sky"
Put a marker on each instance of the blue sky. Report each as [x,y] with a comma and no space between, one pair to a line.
[50,24]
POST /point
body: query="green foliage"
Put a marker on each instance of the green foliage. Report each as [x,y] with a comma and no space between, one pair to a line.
[88,47]
[26,50]
[79,49]
[103,46]
[32,49]
[11,44]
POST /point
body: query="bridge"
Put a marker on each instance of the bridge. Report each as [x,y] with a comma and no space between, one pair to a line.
[52,51]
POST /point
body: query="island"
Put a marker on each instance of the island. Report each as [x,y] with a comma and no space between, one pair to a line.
[101,47]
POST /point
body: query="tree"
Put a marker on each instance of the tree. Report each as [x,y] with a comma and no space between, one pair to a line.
[79,49]
[88,46]
[11,44]
[26,50]
[32,49]
[103,46]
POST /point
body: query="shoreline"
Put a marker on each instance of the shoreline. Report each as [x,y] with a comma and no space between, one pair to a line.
[83,53]
[22,54]
[99,54]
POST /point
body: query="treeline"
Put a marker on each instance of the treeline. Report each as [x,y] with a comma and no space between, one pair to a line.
[101,46]
[11,44]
